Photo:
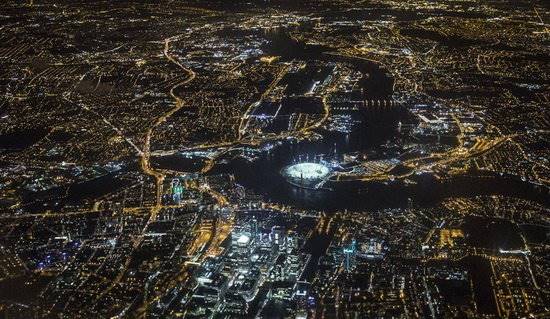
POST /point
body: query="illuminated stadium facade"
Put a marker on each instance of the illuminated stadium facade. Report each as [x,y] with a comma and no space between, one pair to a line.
[307,175]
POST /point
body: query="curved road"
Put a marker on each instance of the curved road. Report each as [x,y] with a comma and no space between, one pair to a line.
[146,154]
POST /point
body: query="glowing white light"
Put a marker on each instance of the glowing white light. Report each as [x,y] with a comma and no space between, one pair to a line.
[243,240]
[307,171]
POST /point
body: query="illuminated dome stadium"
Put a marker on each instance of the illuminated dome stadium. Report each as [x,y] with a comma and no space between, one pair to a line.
[308,175]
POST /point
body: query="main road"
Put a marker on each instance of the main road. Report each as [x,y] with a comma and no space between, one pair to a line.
[145,162]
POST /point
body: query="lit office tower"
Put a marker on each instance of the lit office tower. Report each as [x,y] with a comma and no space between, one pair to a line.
[176,190]
[349,253]
[277,236]
[254,228]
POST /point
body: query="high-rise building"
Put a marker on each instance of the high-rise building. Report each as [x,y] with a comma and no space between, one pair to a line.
[176,189]
[349,253]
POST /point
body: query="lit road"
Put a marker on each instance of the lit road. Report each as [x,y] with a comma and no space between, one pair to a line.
[146,154]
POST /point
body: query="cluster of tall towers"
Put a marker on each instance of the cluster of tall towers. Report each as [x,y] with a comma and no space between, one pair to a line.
[349,253]
[176,190]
